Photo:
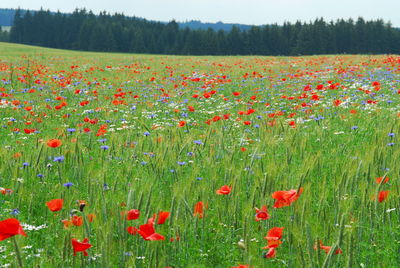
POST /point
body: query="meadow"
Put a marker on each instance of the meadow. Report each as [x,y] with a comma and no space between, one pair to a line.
[167,161]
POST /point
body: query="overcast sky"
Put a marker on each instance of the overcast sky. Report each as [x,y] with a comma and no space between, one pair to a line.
[230,11]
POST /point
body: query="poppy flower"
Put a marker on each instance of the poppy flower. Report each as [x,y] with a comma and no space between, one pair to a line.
[80,246]
[270,254]
[132,230]
[241,266]
[5,191]
[54,143]
[328,248]
[198,209]
[67,223]
[55,204]
[262,214]
[285,198]
[273,236]
[91,217]
[77,220]
[382,196]
[379,180]
[132,214]
[162,217]
[148,233]
[337,102]
[9,228]
[224,190]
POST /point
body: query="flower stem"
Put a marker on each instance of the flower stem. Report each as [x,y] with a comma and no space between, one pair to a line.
[17,252]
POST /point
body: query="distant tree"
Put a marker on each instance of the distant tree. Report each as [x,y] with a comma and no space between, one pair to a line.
[104,32]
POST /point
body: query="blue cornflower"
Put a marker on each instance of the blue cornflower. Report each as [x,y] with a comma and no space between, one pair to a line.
[68,184]
[59,159]
[105,187]
[15,211]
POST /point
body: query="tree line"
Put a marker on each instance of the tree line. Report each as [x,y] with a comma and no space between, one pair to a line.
[83,30]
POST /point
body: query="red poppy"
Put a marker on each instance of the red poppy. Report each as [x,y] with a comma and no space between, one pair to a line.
[77,220]
[273,236]
[9,228]
[55,204]
[275,233]
[67,223]
[216,118]
[132,214]
[382,196]
[285,198]
[91,217]
[148,233]
[162,217]
[328,248]
[182,123]
[241,266]
[224,190]
[132,230]
[379,180]
[198,209]
[262,214]
[270,254]
[54,143]
[5,191]
[80,246]
[337,102]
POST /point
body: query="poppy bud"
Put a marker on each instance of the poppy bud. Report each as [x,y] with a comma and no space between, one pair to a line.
[241,244]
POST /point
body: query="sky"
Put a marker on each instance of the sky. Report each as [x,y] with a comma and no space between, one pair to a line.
[253,12]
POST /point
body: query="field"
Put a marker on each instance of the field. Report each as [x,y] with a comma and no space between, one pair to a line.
[164,161]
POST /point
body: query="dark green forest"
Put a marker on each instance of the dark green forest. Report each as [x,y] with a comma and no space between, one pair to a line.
[83,30]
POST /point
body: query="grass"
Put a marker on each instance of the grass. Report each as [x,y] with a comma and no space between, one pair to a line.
[334,152]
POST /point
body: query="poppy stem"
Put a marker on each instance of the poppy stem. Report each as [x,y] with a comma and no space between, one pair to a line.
[17,252]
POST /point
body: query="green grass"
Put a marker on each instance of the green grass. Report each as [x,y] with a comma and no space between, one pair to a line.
[335,164]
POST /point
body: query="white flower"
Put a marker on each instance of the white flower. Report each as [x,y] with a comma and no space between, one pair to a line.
[28,227]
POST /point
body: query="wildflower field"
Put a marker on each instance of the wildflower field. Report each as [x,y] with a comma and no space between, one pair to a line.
[122,160]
